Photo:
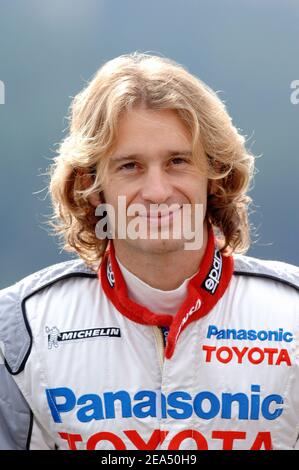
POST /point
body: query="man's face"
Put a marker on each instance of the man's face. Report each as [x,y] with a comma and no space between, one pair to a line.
[152,164]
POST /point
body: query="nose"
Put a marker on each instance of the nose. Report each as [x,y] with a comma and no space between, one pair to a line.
[156,187]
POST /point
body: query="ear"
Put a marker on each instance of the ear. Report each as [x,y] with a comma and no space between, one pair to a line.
[94,199]
[86,182]
[211,187]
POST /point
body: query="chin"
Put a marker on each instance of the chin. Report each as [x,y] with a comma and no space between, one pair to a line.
[158,246]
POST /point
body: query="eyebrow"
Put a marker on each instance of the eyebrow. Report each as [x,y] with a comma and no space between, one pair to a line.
[119,158]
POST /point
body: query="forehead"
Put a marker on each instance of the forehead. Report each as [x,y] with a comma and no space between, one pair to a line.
[154,129]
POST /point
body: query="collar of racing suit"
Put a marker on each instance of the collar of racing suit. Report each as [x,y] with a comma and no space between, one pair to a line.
[204,290]
[165,302]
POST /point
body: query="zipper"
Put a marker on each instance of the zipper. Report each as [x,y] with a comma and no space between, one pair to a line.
[159,345]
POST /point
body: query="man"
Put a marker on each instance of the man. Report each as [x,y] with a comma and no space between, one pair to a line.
[151,342]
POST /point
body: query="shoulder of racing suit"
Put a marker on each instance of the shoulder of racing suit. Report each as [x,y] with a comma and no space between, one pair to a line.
[278,271]
[15,334]
[16,418]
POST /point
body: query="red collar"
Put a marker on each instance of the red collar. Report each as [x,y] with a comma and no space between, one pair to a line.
[204,291]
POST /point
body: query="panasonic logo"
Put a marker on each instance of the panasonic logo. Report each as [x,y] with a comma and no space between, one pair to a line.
[252,404]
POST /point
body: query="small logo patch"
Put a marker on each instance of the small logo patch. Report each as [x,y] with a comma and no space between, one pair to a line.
[55,336]
[110,275]
[212,280]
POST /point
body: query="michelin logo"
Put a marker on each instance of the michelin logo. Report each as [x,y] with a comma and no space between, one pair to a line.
[55,336]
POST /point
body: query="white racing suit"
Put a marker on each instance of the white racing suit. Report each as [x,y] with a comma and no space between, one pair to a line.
[86,367]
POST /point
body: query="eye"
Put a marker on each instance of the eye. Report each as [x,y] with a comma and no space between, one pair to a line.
[128,166]
[179,161]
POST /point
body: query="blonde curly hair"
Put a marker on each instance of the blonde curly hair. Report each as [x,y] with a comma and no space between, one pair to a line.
[157,83]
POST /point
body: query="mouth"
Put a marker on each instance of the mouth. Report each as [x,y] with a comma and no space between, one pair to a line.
[156,215]
[161,216]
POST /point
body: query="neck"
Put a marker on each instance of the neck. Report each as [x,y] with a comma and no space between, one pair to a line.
[164,271]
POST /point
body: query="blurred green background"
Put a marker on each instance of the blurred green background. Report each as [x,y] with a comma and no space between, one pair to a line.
[247,50]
